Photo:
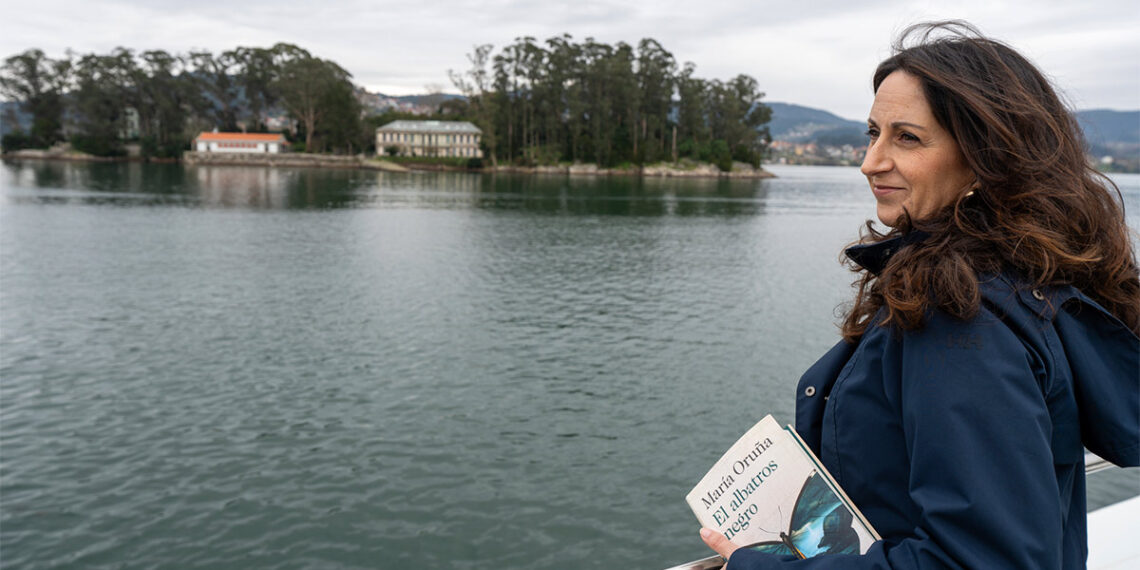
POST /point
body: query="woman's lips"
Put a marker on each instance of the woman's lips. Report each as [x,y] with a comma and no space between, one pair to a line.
[882,190]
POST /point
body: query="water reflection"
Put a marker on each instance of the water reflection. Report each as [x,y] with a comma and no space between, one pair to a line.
[818,190]
[275,188]
[628,196]
[139,184]
[561,195]
[283,188]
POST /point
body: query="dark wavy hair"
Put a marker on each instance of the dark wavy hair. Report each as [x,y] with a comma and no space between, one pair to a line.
[1039,208]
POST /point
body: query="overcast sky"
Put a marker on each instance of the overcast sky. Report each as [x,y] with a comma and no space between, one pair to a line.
[818,53]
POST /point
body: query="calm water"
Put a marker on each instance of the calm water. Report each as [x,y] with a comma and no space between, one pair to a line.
[244,367]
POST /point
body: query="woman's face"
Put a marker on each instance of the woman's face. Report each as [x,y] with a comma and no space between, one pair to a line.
[912,162]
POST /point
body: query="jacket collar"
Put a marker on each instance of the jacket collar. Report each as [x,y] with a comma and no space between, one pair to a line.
[874,256]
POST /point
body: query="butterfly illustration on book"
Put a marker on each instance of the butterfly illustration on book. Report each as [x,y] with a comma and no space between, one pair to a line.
[820,525]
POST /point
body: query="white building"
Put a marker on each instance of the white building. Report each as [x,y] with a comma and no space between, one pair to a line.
[241,142]
[430,138]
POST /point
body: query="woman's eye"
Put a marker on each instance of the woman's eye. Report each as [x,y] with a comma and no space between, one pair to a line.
[873,133]
[907,137]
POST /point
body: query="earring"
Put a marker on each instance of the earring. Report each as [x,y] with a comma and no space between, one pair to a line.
[975,186]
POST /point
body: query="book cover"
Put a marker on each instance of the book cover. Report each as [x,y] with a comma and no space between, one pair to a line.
[769,492]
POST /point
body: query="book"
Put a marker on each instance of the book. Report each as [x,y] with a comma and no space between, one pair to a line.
[769,492]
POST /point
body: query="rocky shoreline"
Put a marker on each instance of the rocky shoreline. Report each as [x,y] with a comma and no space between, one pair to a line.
[61,154]
[683,169]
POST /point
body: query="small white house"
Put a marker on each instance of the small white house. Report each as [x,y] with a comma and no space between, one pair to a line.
[241,142]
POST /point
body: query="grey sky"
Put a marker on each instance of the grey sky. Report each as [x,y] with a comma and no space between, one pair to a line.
[815,53]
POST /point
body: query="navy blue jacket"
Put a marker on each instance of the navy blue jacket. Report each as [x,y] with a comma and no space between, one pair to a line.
[962,442]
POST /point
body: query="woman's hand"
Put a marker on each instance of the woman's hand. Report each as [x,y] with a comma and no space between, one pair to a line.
[718,542]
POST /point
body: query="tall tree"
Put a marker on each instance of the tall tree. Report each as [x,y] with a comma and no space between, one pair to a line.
[656,78]
[624,89]
[506,91]
[103,91]
[610,104]
[476,85]
[738,116]
[598,101]
[165,97]
[434,96]
[566,100]
[256,72]
[304,84]
[340,126]
[692,101]
[39,84]
[216,77]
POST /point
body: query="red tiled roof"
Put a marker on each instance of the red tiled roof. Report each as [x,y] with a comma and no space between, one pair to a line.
[243,137]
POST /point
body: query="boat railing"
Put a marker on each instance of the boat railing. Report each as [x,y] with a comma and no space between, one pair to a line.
[1093,464]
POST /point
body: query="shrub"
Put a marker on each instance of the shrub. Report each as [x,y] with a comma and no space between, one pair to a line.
[98,146]
[721,156]
[151,148]
[15,141]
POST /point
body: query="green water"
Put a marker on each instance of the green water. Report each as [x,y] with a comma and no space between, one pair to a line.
[243,367]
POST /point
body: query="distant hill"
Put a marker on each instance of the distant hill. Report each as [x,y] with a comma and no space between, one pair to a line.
[426,99]
[1106,126]
[1112,133]
[796,123]
[376,102]
[1115,133]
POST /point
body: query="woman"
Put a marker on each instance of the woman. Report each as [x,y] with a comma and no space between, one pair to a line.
[995,326]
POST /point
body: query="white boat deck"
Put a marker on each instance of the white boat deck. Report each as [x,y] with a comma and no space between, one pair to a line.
[1113,532]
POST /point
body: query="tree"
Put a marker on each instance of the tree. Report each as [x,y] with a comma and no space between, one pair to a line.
[38,83]
[165,96]
[739,115]
[256,71]
[656,70]
[103,93]
[476,85]
[692,124]
[340,128]
[607,103]
[304,84]
[567,95]
[435,96]
[215,76]
[455,107]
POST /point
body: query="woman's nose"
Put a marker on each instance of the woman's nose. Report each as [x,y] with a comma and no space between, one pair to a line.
[875,161]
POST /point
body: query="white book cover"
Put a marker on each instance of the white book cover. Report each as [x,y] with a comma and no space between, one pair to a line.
[769,492]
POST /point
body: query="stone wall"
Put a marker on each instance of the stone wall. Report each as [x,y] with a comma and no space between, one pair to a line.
[268,159]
